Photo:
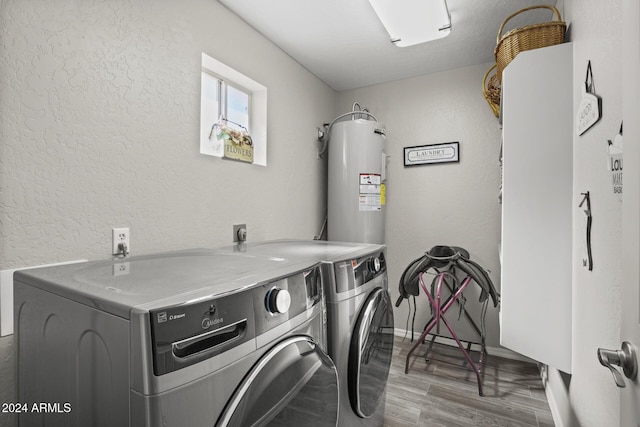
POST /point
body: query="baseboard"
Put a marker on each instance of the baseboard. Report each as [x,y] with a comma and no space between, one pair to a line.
[552,399]
[492,351]
[553,406]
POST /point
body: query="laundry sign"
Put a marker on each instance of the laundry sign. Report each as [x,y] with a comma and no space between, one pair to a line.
[614,164]
[590,109]
[432,153]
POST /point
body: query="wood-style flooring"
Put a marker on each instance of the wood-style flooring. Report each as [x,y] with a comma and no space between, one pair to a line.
[444,392]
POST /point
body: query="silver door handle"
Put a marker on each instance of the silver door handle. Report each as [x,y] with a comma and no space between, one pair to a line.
[625,358]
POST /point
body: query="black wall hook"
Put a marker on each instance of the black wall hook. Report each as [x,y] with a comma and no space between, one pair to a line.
[589,261]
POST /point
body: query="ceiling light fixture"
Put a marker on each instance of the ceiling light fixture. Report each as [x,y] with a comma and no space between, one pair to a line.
[411,22]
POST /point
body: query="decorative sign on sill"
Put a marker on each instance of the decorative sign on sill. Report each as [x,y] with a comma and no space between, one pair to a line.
[615,163]
[590,110]
[238,151]
[433,153]
[237,142]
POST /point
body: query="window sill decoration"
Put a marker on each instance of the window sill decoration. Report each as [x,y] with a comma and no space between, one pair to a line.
[238,144]
[228,94]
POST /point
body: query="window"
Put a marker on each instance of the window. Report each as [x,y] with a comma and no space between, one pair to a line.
[237,104]
[231,100]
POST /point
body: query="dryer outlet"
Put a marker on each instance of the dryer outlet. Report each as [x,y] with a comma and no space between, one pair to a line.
[240,232]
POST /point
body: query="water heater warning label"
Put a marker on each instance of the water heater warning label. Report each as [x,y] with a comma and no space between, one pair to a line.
[370,192]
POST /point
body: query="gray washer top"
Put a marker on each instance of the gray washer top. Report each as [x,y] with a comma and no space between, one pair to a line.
[120,286]
[308,250]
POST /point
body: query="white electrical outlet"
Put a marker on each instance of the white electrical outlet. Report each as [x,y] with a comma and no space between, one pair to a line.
[120,241]
[121,268]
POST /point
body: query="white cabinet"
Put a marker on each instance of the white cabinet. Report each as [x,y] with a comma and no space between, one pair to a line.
[537,200]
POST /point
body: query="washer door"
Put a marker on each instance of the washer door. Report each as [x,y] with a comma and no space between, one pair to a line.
[370,353]
[294,383]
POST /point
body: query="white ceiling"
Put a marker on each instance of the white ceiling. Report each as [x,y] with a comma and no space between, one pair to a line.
[345,45]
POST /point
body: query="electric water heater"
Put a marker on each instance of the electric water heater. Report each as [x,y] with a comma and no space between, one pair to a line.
[356,181]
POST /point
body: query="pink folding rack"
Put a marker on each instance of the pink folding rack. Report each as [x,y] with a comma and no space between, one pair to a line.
[440,307]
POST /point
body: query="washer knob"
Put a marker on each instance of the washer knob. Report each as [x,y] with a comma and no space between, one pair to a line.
[374,264]
[278,300]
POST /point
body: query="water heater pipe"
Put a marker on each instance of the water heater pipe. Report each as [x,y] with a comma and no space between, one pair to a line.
[341,116]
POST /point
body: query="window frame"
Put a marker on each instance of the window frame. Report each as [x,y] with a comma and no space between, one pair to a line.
[256,107]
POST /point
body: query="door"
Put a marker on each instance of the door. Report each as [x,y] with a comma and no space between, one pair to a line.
[370,353]
[537,205]
[630,313]
[294,384]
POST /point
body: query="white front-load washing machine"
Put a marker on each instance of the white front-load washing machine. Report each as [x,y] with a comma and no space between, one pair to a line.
[190,338]
[359,318]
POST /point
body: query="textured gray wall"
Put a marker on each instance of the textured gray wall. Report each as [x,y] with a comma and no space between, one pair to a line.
[99,127]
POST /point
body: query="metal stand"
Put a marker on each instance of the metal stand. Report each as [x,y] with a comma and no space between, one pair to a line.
[440,307]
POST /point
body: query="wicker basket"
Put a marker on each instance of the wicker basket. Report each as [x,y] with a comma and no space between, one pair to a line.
[528,37]
[491,89]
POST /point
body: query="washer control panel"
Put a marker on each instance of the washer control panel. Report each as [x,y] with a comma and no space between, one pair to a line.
[351,274]
[279,300]
[185,334]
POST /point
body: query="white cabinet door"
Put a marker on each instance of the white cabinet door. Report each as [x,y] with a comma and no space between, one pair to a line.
[537,205]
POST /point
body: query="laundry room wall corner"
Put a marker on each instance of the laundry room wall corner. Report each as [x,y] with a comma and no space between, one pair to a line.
[440,204]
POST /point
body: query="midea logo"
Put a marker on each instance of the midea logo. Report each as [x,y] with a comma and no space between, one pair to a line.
[207,323]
